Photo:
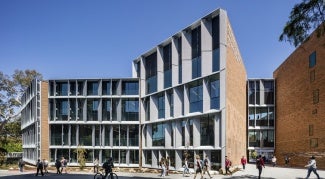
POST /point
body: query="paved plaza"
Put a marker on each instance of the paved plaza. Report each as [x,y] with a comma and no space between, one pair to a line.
[250,173]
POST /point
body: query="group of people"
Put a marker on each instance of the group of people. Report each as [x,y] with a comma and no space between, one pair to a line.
[61,165]
[41,166]
[202,167]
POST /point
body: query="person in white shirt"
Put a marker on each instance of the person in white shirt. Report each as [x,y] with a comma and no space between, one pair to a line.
[312,167]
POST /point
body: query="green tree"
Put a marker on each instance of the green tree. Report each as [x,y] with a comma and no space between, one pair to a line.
[80,151]
[11,90]
[304,19]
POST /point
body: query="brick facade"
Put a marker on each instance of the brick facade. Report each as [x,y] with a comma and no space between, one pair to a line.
[300,126]
[45,136]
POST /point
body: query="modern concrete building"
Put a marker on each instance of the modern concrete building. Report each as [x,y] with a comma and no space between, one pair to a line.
[186,97]
[261,121]
[192,95]
[300,104]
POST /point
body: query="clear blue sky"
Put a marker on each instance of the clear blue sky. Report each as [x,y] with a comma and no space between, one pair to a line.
[100,38]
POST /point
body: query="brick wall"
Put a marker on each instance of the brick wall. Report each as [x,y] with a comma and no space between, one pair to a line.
[298,120]
[235,101]
[45,131]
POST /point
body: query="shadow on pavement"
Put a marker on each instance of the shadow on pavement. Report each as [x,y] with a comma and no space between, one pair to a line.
[249,176]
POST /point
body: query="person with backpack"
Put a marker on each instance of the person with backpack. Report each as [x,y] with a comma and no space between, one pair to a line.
[206,166]
[259,165]
[58,166]
[64,164]
[243,161]
[39,166]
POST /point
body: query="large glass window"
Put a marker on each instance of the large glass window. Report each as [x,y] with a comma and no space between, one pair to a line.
[312,59]
[215,44]
[80,88]
[170,97]
[62,88]
[92,88]
[179,51]
[251,92]
[215,92]
[106,110]
[134,156]
[161,106]
[106,86]
[65,135]
[133,135]
[130,87]
[56,134]
[80,103]
[254,138]
[114,87]
[123,135]
[73,135]
[251,116]
[92,109]
[148,158]
[167,58]
[147,108]
[158,134]
[73,90]
[130,109]
[62,106]
[261,116]
[196,96]
[85,135]
[271,116]
[268,92]
[107,136]
[97,135]
[207,132]
[267,138]
[151,73]
[73,109]
[196,52]
[115,103]
[116,135]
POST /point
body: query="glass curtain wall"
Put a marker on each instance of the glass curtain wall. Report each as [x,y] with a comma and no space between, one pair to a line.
[196,52]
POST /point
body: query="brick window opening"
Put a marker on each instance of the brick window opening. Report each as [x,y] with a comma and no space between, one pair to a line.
[316,96]
[311,130]
[312,76]
[314,142]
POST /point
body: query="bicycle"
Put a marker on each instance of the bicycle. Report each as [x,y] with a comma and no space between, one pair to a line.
[101,173]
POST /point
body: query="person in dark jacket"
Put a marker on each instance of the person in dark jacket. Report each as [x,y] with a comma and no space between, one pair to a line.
[259,165]
[107,166]
[58,166]
[39,166]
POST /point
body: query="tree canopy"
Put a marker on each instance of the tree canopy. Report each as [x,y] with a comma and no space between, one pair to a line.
[304,19]
[11,90]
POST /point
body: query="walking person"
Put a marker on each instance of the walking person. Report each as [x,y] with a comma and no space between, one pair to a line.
[228,165]
[243,161]
[21,165]
[162,163]
[167,165]
[286,160]
[107,166]
[312,167]
[45,164]
[64,164]
[259,165]
[39,167]
[96,165]
[198,167]
[186,169]
[206,166]
[58,166]
[273,161]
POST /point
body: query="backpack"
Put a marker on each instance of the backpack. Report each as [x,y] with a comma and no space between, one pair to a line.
[40,165]
[206,162]
[258,163]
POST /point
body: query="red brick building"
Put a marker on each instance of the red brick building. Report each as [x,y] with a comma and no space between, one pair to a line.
[300,104]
